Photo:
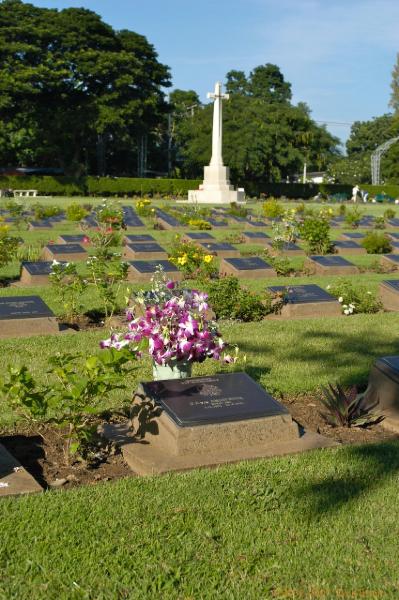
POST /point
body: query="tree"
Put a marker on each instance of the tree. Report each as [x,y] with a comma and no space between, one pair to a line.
[70,84]
[265,137]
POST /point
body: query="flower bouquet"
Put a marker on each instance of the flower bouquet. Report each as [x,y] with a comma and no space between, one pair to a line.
[173,324]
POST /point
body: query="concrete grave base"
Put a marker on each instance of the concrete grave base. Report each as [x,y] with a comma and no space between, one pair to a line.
[130,254]
[135,275]
[284,251]
[319,269]
[226,268]
[15,479]
[389,297]
[346,251]
[27,327]
[389,261]
[28,279]
[242,440]
[68,256]
[308,310]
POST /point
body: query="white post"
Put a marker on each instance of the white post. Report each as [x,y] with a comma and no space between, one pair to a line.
[304,173]
[217,158]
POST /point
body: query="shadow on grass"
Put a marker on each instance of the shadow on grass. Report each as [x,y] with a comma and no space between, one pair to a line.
[335,349]
[367,468]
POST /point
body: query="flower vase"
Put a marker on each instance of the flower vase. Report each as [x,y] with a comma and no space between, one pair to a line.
[179,369]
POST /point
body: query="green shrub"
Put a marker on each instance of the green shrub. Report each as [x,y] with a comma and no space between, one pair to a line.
[272,209]
[8,245]
[353,217]
[237,211]
[376,243]
[379,222]
[355,298]
[45,212]
[342,210]
[230,301]
[316,233]
[195,262]
[346,409]
[389,213]
[280,263]
[75,212]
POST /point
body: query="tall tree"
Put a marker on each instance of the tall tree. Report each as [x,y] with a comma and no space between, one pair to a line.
[69,83]
[265,137]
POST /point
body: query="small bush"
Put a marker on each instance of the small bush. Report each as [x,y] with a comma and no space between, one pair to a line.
[8,245]
[280,264]
[342,210]
[389,213]
[272,209]
[230,301]
[345,409]
[376,243]
[144,208]
[316,233]
[379,222]
[199,224]
[353,217]
[237,211]
[45,212]
[195,262]
[75,212]
[355,298]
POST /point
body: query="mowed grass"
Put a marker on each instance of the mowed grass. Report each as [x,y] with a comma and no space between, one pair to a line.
[318,525]
[321,525]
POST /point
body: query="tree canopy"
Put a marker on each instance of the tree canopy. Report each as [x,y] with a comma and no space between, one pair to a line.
[72,88]
[265,137]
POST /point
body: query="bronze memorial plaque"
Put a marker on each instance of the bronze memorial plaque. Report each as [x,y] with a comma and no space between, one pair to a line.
[213,399]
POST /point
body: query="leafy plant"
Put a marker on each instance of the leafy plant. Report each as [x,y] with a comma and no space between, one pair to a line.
[8,245]
[17,213]
[237,211]
[272,208]
[355,298]
[345,409]
[74,389]
[41,211]
[29,252]
[199,224]
[315,230]
[110,214]
[193,260]
[353,217]
[69,286]
[75,212]
[389,213]
[20,391]
[376,243]
[379,222]
[281,264]
[143,208]
[230,301]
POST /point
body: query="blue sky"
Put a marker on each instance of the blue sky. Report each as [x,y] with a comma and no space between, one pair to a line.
[337,54]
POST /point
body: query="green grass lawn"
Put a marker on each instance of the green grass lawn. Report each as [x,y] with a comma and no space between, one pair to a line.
[318,525]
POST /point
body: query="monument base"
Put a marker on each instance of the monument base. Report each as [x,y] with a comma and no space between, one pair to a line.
[216,197]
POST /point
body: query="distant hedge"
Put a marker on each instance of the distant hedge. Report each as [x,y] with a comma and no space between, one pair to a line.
[295,190]
[389,190]
[134,186]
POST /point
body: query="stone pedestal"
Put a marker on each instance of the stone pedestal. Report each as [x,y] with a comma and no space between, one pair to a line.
[208,421]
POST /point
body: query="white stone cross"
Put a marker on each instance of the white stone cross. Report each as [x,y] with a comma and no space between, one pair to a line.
[217,96]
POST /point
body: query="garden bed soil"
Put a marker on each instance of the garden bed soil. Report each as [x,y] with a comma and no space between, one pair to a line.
[40,449]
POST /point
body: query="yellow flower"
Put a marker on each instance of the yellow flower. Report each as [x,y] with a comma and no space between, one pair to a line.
[182,260]
[208,258]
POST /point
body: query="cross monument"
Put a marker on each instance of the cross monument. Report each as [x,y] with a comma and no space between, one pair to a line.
[216,188]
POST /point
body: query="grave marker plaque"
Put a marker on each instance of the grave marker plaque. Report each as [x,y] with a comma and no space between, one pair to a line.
[138,239]
[255,237]
[393,235]
[22,316]
[198,236]
[348,247]
[73,239]
[224,250]
[213,420]
[166,221]
[353,236]
[289,248]
[66,252]
[330,265]
[215,223]
[393,222]
[395,247]
[143,270]
[150,250]
[35,273]
[39,225]
[310,300]
[246,268]
[389,294]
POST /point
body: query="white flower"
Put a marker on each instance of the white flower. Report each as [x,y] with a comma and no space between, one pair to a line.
[351,306]
[346,312]
[369,293]
[328,287]
[54,263]
[340,299]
